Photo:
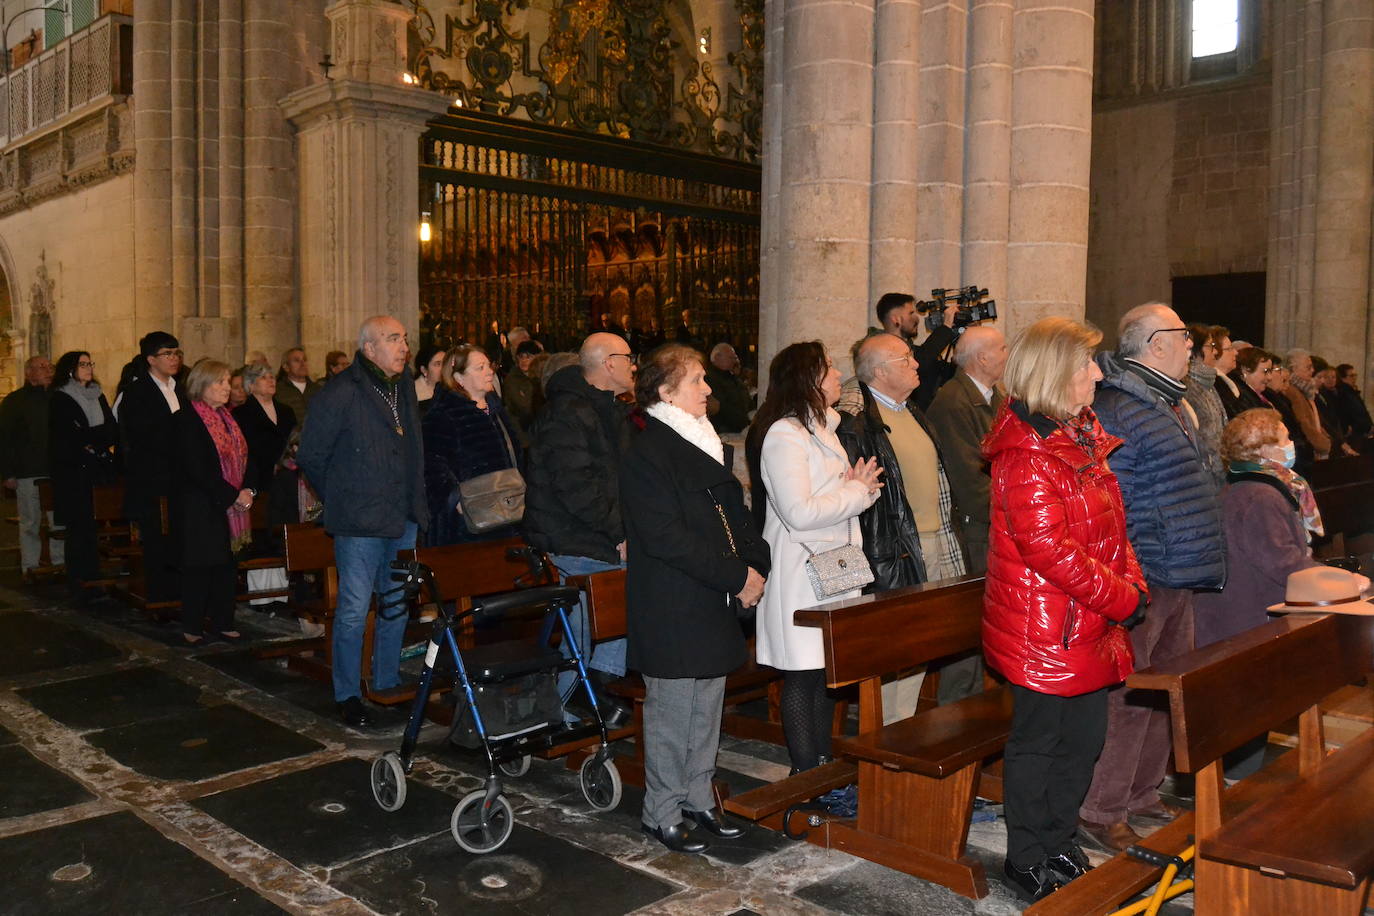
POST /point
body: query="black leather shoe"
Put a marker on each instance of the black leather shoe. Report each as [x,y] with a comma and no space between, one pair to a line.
[1034,883]
[678,838]
[1069,864]
[714,822]
[354,713]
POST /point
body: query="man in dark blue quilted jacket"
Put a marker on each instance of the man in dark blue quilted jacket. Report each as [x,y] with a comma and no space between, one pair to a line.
[1173,519]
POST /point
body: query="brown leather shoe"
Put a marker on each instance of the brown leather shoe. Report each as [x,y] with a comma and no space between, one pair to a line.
[1156,815]
[1110,838]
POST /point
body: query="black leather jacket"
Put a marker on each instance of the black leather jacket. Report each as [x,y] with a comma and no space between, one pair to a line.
[891,543]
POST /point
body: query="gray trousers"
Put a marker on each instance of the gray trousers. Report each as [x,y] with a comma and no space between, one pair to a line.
[681,737]
[30,521]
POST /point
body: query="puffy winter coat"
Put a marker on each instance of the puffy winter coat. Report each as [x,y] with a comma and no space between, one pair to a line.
[1060,570]
[1173,509]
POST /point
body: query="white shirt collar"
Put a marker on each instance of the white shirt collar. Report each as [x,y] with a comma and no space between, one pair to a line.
[885,400]
[984,390]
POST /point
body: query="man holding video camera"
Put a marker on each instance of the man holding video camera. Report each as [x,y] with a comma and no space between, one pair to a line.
[897,315]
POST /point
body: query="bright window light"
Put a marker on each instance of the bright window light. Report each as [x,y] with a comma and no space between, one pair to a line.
[1216,27]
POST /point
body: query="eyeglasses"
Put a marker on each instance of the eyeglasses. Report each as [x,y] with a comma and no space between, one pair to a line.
[904,360]
[632,357]
[164,354]
[86,364]
[1164,331]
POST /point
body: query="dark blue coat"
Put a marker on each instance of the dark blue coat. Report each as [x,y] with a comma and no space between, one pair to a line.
[1173,511]
[370,479]
[462,441]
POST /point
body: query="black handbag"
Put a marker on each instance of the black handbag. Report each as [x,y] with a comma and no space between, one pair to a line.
[742,612]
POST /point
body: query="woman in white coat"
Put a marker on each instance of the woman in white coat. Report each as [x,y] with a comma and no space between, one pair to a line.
[805,494]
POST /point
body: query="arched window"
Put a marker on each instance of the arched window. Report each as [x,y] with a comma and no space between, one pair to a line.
[1216,27]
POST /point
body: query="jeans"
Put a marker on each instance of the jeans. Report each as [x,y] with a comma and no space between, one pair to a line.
[608,656]
[364,566]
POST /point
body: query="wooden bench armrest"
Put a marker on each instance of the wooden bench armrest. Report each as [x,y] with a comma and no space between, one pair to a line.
[756,804]
[940,741]
[1321,829]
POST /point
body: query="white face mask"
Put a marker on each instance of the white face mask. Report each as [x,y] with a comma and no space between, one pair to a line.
[1290,455]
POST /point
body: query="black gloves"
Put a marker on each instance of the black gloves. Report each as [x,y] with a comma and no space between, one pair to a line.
[1139,614]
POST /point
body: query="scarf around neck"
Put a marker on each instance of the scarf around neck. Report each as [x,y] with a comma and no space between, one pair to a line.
[233,461]
[696,430]
[88,397]
[1170,390]
[1300,489]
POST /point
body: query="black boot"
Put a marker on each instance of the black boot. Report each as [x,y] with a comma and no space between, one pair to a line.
[714,823]
[678,839]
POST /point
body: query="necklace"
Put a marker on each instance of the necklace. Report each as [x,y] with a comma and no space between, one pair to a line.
[393,400]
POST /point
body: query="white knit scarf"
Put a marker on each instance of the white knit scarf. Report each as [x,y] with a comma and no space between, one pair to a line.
[696,430]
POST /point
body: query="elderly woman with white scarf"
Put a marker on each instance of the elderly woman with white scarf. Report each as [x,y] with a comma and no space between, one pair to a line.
[81,438]
[695,562]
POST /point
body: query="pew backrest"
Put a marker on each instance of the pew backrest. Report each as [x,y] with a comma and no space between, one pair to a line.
[479,568]
[308,548]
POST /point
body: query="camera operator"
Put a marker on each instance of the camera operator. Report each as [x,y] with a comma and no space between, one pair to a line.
[897,314]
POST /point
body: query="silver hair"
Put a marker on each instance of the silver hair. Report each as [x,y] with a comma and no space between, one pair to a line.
[368,332]
[1295,356]
[254,371]
[970,345]
[719,349]
[869,357]
[1135,328]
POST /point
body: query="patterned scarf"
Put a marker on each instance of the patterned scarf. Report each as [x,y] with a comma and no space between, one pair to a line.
[1297,486]
[1084,430]
[233,461]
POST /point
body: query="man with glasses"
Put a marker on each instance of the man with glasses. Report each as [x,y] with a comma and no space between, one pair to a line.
[1173,520]
[572,501]
[146,410]
[24,457]
[908,535]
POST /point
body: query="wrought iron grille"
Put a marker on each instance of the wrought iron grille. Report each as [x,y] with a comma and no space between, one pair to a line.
[564,232]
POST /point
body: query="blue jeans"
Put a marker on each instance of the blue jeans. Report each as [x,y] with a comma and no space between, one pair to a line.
[608,656]
[364,566]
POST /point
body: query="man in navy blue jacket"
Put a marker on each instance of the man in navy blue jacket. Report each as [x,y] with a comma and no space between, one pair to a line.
[1173,520]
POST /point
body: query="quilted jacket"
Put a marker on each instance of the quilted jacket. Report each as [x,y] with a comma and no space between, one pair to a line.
[1061,572]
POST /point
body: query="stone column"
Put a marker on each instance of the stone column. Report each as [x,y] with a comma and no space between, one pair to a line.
[1047,245]
[184,160]
[152,176]
[358,161]
[987,191]
[896,87]
[940,146]
[1345,184]
[230,186]
[823,166]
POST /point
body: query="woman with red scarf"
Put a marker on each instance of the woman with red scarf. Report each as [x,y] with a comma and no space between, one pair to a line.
[1062,586]
[213,506]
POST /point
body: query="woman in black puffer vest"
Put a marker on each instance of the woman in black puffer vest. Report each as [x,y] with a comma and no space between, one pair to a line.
[467,433]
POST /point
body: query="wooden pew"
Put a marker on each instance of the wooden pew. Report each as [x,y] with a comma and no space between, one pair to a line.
[1344,490]
[1220,697]
[917,778]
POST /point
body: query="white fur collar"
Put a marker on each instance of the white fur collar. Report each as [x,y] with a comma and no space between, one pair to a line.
[696,430]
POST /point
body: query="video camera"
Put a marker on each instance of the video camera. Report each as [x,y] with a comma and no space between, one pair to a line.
[974,306]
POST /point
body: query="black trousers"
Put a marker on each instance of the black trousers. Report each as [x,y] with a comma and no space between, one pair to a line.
[160,558]
[207,599]
[1048,765]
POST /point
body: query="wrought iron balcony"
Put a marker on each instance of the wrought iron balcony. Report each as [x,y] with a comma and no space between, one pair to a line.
[91,66]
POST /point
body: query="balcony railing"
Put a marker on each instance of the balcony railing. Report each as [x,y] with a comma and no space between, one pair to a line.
[94,64]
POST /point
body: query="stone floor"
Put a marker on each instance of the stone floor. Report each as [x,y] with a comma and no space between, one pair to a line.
[142,777]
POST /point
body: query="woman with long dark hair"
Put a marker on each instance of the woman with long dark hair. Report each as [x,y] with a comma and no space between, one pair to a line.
[805,495]
[429,371]
[81,440]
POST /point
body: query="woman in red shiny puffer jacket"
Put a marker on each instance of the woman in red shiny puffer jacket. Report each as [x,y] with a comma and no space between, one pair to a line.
[1062,586]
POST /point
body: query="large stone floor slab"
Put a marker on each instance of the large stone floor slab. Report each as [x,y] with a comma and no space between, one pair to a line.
[533,873]
[114,864]
[201,743]
[325,816]
[33,642]
[115,699]
[29,786]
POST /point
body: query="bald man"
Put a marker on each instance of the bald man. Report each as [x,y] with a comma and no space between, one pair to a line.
[361,451]
[960,416]
[572,501]
[1173,520]
[24,457]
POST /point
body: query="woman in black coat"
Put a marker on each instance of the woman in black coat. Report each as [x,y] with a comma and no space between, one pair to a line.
[266,424]
[467,433]
[694,558]
[81,440]
[212,517]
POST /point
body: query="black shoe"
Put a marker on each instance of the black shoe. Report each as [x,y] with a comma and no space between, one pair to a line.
[1034,883]
[678,839]
[1069,864]
[354,713]
[714,823]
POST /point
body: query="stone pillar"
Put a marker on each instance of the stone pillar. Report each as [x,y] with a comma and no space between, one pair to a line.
[987,192]
[152,176]
[1051,132]
[823,166]
[896,87]
[230,185]
[358,161]
[940,145]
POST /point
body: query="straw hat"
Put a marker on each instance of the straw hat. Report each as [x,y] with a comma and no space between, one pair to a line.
[1323,590]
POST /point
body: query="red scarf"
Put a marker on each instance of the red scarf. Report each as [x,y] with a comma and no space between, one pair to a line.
[233,461]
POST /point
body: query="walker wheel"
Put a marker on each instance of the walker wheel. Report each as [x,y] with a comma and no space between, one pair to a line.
[515,768]
[389,781]
[476,834]
[600,783]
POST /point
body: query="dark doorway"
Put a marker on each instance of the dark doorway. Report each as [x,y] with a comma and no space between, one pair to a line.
[1233,300]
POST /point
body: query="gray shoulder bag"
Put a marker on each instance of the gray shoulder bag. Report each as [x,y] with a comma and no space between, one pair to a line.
[496,499]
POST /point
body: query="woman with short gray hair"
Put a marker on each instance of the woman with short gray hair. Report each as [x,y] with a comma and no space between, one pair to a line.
[266,423]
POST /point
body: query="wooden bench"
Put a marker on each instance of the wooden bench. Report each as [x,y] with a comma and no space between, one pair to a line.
[917,778]
[1344,490]
[1221,697]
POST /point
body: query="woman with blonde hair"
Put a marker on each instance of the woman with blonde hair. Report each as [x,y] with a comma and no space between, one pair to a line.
[1063,584]
[212,512]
